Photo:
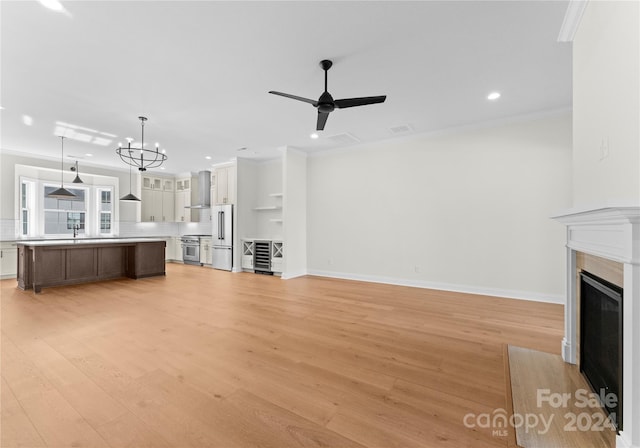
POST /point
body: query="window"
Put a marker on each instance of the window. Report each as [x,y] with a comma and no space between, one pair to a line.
[93,211]
[105,209]
[63,216]
[26,207]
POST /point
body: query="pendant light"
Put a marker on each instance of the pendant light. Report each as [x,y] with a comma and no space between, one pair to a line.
[130,196]
[61,193]
[77,180]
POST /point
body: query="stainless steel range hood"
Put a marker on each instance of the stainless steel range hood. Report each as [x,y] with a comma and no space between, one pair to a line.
[204,191]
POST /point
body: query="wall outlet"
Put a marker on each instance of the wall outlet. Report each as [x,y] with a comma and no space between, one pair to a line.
[329,261]
[416,269]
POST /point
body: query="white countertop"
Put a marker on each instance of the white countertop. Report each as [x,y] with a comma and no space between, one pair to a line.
[277,240]
[86,241]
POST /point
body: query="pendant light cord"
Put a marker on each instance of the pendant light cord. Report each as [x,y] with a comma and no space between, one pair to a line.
[62,161]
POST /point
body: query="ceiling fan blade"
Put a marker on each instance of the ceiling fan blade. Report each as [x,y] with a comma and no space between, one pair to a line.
[351,102]
[322,120]
[314,103]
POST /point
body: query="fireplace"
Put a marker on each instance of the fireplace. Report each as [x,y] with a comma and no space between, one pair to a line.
[601,341]
[608,239]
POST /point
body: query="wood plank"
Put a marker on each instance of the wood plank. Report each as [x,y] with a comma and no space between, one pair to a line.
[128,431]
[511,434]
[533,371]
[78,389]
[17,429]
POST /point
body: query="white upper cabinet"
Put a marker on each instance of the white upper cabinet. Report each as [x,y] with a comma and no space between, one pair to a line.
[183,199]
[223,181]
[158,199]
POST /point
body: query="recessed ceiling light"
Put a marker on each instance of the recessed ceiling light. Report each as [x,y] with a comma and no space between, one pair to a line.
[207,157]
[89,155]
[493,96]
[161,167]
[27,120]
[53,5]
[314,135]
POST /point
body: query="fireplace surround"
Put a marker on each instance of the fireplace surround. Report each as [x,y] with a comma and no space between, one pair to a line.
[612,234]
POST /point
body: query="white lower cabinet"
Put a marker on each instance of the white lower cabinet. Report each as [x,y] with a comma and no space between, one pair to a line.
[176,248]
[205,250]
[277,256]
[169,250]
[248,248]
[8,260]
[276,260]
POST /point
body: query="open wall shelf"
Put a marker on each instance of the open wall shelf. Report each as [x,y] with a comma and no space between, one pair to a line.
[267,207]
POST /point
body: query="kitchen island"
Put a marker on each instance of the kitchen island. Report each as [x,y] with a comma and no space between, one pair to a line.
[64,262]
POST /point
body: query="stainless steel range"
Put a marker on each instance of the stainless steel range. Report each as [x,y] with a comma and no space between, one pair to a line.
[191,249]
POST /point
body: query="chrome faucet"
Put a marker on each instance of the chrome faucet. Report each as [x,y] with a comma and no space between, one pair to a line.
[76,229]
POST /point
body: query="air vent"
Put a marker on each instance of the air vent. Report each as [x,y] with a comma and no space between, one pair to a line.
[401,129]
[344,139]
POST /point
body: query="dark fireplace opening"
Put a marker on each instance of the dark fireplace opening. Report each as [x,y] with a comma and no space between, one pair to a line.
[601,341]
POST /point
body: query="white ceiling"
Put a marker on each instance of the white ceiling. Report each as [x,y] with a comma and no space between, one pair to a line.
[200,71]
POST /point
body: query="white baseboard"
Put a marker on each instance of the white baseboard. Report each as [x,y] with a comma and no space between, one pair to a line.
[293,274]
[479,290]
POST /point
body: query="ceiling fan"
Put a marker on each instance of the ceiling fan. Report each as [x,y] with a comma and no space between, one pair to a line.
[326,104]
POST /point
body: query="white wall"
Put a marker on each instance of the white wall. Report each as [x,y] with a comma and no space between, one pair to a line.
[467,211]
[606,104]
[295,213]
[245,202]
[269,181]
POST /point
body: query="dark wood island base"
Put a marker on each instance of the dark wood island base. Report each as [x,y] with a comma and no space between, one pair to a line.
[50,263]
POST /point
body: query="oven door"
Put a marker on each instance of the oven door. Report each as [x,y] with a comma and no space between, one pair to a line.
[191,253]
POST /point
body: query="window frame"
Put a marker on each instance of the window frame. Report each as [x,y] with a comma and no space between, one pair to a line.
[42,211]
[99,212]
[27,204]
[35,210]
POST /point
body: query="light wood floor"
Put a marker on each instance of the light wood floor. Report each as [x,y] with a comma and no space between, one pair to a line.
[206,358]
[532,371]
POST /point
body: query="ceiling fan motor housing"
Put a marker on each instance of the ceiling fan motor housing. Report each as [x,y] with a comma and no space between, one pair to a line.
[325,103]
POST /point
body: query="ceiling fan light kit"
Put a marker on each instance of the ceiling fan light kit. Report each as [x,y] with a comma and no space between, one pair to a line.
[326,104]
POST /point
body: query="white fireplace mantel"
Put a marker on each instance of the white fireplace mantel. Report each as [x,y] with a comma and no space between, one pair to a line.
[612,233]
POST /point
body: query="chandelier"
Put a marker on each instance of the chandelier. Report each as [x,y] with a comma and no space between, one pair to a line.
[141,157]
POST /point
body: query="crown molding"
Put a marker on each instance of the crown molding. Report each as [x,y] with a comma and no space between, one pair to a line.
[571,21]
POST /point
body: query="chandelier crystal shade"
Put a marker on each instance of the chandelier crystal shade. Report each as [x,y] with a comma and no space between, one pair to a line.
[61,193]
[140,157]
